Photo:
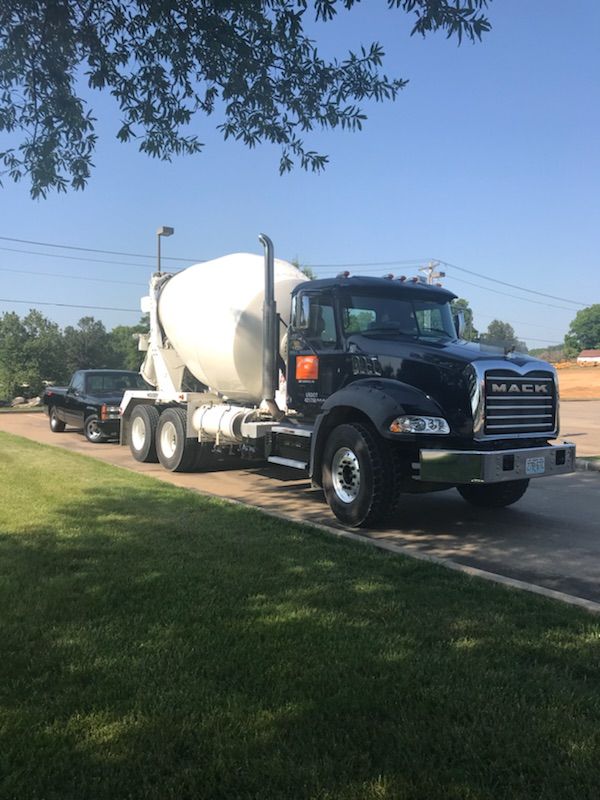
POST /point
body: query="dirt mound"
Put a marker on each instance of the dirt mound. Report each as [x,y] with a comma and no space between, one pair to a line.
[578,383]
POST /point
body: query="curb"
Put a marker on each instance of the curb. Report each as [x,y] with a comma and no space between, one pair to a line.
[591,606]
[587,464]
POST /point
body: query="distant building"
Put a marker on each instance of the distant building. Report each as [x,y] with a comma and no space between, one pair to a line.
[589,357]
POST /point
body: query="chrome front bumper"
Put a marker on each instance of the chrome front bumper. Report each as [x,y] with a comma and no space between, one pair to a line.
[468,466]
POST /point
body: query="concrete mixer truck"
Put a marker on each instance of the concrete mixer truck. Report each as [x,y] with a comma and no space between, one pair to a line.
[363,383]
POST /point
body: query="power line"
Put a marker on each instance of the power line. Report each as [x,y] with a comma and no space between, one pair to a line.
[69,277]
[516,322]
[396,262]
[513,285]
[376,264]
[506,294]
[408,262]
[95,250]
[69,305]
[77,258]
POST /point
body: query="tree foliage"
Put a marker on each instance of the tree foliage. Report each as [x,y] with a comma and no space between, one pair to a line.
[166,62]
[88,345]
[35,351]
[502,334]
[31,351]
[124,343]
[584,331]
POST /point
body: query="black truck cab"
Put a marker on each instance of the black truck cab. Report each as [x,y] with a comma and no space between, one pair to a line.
[386,398]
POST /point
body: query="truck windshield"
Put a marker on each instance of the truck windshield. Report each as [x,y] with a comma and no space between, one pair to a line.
[395,315]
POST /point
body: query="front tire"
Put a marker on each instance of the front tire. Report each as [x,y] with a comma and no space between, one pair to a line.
[358,476]
[175,451]
[494,495]
[142,434]
[92,431]
[56,424]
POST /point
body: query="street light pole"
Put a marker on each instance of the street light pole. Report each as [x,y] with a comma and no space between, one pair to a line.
[163,231]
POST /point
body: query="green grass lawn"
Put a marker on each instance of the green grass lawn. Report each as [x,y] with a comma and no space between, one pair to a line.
[157,644]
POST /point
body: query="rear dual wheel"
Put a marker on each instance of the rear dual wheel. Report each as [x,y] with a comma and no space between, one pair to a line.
[155,436]
[176,451]
[142,434]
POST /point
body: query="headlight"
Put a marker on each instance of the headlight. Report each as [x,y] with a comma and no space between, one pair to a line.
[112,409]
[413,424]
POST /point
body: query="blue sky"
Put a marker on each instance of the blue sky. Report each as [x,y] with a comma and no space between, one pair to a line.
[488,160]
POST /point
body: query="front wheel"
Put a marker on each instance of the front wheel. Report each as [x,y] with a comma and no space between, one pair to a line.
[56,424]
[358,476]
[494,495]
[92,430]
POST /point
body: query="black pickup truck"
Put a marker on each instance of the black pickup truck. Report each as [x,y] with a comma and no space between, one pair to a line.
[91,401]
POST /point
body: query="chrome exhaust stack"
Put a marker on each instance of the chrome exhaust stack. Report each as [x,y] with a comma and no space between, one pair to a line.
[270,376]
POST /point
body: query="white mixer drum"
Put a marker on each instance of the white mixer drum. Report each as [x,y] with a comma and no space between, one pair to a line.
[212,316]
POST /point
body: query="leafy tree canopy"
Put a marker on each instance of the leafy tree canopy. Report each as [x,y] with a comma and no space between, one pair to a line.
[584,332]
[124,343]
[87,346]
[167,61]
[502,334]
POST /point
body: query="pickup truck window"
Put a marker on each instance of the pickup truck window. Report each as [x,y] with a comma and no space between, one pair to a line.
[389,315]
[114,382]
[77,383]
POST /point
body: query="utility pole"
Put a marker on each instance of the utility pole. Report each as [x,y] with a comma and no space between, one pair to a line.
[430,271]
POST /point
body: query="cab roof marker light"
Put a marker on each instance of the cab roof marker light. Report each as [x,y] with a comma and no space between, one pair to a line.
[402,278]
[389,276]
[344,274]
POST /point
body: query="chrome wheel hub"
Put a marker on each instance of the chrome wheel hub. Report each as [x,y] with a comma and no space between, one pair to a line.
[93,430]
[168,439]
[138,433]
[345,474]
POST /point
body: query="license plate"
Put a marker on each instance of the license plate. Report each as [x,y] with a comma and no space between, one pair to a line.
[535,466]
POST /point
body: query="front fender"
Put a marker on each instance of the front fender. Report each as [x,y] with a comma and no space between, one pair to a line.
[375,400]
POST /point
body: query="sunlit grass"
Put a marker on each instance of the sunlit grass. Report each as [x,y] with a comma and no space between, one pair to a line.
[158,644]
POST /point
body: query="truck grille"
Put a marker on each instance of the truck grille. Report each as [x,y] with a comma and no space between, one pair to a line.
[519,403]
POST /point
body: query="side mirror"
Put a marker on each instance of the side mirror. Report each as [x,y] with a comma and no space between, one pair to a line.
[303,312]
[459,323]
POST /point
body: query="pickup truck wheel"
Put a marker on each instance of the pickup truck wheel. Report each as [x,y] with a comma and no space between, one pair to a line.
[175,451]
[142,434]
[91,430]
[357,476]
[56,425]
[494,495]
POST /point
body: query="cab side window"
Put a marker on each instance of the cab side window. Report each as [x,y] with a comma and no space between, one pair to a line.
[77,384]
[315,316]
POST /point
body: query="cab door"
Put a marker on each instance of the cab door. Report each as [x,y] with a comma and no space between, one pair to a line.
[74,400]
[316,363]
